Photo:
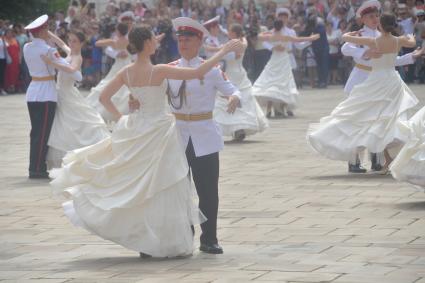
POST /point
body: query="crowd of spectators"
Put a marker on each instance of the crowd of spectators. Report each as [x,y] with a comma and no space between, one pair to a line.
[330,18]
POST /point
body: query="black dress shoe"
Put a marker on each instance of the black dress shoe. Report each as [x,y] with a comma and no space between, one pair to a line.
[356,168]
[143,255]
[39,175]
[211,248]
[376,167]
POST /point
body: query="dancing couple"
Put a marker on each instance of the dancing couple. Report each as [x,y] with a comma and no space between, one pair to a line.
[133,188]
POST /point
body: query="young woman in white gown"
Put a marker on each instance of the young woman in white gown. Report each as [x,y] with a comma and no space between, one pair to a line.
[249,119]
[409,165]
[76,123]
[133,188]
[120,99]
[368,118]
[276,83]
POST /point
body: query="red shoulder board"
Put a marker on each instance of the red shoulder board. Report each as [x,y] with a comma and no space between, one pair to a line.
[174,63]
[224,76]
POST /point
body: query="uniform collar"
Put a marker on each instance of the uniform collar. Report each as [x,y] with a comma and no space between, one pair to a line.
[369,30]
[38,40]
[192,62]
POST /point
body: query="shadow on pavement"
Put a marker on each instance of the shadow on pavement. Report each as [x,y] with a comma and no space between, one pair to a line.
[412,206]
[367,176]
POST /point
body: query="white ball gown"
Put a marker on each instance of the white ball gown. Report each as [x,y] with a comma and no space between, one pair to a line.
[368,118]
[76,123]
[133,188]
[409,165]
[120,99]
[276,82]
[250,117]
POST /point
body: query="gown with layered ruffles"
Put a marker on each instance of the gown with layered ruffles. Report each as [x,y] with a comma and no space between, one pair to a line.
[76,123]
[276,82]
[133,188]
[409,165]
[120,99]
[250,117]
[368,119]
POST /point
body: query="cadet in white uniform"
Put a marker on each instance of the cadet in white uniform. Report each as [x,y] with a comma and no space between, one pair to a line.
[212,44]
[41,94]
[192,103]
[362,66]
[368,12]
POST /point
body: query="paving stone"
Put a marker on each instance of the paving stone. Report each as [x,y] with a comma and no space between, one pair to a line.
[286,215]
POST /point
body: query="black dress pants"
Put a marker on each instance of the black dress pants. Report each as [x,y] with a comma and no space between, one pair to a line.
[41,116]
[205,172]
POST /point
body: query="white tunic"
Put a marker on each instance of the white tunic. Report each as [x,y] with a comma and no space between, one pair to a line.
[42,90]
[211,41]
[200,98]
[357,75]
[289,45]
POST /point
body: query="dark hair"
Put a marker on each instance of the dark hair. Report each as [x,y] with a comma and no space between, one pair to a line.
[80,35]
[278,25]
[237,29]
[388,22]
[137,37]
[122,28]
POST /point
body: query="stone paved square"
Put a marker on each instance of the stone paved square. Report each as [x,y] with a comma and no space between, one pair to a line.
[286,215]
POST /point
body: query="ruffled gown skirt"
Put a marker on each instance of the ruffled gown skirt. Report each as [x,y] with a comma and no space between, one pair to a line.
[409,165]
[120,98]
[366,120]
[133,188]
[276,83]
[249,117]
[76,125]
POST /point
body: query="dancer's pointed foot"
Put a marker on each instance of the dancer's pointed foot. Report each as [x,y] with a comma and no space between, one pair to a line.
[239,135]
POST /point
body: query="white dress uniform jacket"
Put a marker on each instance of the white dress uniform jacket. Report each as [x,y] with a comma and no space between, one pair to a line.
[200,98]
[358,75]
[289,45]
[211,41]
[42,91]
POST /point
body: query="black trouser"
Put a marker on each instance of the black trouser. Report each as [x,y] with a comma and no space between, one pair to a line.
[205,171]
[322,60]
[41,115]
[2,71]
[410,73]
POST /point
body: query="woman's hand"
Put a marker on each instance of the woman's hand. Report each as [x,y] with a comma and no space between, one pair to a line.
[46,59]
[234,45]
[314,37]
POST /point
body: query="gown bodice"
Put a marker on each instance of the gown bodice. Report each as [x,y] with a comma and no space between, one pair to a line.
[385,62]
[152,99]
[65,79]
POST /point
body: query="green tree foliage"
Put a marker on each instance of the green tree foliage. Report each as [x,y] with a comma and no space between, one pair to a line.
[24,11]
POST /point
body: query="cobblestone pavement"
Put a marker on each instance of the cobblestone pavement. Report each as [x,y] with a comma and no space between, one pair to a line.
[286,215]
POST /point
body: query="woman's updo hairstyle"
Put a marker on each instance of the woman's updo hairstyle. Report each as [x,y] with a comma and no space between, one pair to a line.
[122,29]
[278,25]
[137,37]
[80,35]
[237,29]
[388,22]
